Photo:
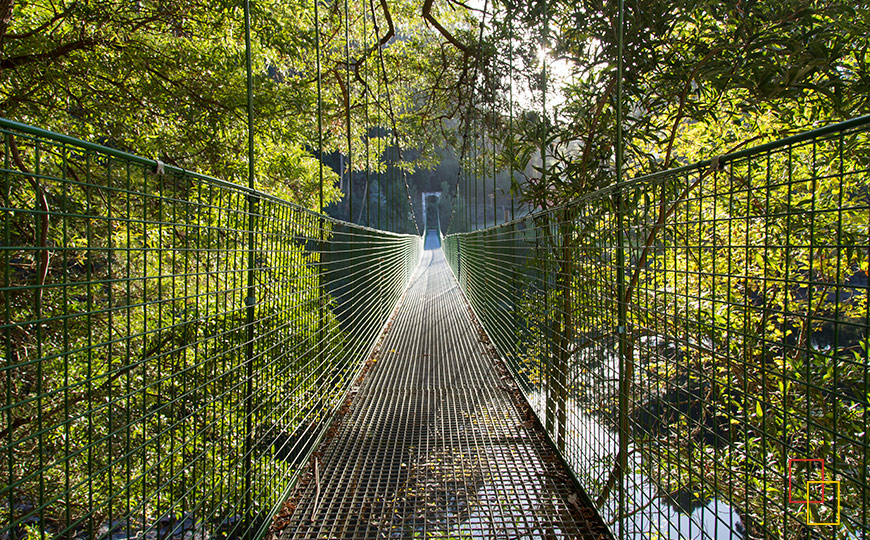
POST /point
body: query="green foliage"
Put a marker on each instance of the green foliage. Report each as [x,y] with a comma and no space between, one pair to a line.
[167,80]
[772,249]
[701,78]
[136,386]
[746,323]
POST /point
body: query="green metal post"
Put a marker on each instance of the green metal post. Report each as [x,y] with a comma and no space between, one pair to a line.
[476,177]
[494,180]
[347,112]
[319,107]
[321,222]
[544,100]
[511,111]
[548,238]
[483,173]
[250,298]
[566,328]
[622,319]
[494,167]
[366,195]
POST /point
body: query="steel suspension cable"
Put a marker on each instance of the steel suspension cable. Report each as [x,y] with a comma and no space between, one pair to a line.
[319,106]
[624,362]
[484,167]
[465,137]
[394,125]
[321,222]
[492,138]
[477,176]
[249,298]
[347,111]
[545,79]
[511,109]
[380,145]
[367,126]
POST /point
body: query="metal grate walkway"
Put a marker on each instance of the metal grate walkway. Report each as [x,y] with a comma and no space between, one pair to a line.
[431,443]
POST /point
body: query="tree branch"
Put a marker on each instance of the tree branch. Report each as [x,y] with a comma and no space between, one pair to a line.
[42,242]
[39,29]
[391,33]
[466,6]
[665,211]
[5,18]
[54,54]
[683,96]
[599,108]
[427,15]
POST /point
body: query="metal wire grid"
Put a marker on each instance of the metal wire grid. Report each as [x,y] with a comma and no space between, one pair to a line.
[146,393]
[431,446]
[746,333]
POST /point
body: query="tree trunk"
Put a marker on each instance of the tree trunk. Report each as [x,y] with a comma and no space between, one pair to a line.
[5,18]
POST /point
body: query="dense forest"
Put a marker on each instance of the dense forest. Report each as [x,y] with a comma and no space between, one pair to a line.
[167,80]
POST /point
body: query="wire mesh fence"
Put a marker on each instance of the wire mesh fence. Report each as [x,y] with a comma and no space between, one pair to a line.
[696,342]
[174,345]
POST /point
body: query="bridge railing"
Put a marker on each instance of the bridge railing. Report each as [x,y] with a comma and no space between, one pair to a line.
[170,357]
[715,316]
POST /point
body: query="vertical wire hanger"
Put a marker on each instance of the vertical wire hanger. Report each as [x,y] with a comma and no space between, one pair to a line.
[347,112]
[319,106]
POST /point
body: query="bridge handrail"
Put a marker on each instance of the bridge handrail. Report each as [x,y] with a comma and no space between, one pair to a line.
[859,122]
[732,344]
[145,393]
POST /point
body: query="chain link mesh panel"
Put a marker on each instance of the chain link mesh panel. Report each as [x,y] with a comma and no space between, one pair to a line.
[135,404]
[742,355]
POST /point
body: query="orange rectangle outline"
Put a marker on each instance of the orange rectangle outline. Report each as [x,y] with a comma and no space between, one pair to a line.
[837,484]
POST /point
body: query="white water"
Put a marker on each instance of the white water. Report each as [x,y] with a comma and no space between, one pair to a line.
[593,450]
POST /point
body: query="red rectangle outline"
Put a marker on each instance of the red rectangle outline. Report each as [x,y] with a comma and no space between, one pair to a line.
[790,460]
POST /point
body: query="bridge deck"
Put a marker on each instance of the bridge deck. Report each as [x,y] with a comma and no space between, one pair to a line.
[433,444]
